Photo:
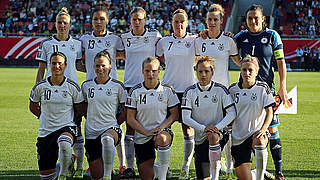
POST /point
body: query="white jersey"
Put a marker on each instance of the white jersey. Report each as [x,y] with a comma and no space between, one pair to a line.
[92,45]
[220,48]
[179,55]
[138,48]
[56,104]
[71,48]
[207,107]
[250,105]
[152,106]
[103,101]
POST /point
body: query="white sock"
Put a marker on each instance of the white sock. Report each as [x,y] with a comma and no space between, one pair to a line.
[121,152]
[108,153]
[215,158]
[51,176]
[163,159]
[228,156]
[188,149]
[253,174]
[78,149]
[156,169]
[65,153]
[261,159]
[129,150]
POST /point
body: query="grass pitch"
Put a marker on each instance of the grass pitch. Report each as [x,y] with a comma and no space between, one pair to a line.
[300,133]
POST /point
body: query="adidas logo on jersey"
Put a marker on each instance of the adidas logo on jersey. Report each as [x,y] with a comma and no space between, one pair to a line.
[246,40]
[205,96]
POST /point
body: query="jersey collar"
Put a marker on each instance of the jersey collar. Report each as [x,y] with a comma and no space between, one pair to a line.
[198,86]
[216,37]
[49,80]
[105,34]
[54,37]
[95,80]
[257,33]
[179,37]
[144,32]
[240,85]
[143,83]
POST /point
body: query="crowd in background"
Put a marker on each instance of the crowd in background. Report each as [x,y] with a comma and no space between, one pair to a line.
[302,16]
[37,17]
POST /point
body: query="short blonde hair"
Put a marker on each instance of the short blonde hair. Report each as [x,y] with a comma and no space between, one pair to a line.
[216,8]
[63,12]
[206,59]
[250,59]
[150,60]
[182,11]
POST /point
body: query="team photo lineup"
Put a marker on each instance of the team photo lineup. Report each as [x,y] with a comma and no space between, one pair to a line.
[215,115]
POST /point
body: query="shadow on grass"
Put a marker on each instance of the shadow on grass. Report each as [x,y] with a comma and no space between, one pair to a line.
[34,174]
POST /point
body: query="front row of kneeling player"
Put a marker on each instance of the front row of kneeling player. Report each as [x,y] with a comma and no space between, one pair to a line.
[152,107]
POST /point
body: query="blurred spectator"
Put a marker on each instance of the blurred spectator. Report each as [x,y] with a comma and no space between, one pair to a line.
[315,56]
[306,57]
[277,14]
[299,54]
[290,13]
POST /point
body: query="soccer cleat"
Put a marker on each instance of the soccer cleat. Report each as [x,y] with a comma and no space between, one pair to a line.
[280,176]
[87,173]
[106,178]
[78,174]
[169,173]
[268,176]
[183,175]
[128,173]
[122,169]
[62,177]
[230,176]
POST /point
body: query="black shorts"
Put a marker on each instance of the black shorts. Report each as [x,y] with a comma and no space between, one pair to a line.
[146,151]
[48,149]
[201,156]
[94,146]
[180,95]
[242,153]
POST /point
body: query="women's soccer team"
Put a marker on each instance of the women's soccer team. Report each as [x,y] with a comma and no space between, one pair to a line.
[213,115]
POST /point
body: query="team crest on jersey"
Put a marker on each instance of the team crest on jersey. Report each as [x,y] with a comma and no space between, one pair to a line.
[72,47]
[264,40]
[128,101]
[214,99]
[160,97]
[183,102]
[146,40]
[65,94]
[109,92]
[253,96]
[220,47]
[108,44]
[188,44]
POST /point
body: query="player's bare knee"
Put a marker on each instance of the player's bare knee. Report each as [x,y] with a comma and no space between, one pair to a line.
[163,139]
[187,130]
[213,138]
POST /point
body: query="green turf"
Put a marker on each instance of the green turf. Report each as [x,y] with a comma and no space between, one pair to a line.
[300,133]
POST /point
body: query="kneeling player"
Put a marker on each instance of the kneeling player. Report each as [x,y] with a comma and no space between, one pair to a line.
[254,103]
[53,101]
[147,106]
[103,96]
[207,107]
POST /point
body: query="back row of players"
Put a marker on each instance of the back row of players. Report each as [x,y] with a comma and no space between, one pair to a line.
[179,51]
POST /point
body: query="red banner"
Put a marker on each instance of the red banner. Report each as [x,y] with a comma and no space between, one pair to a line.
[290,46]
[27,46]
[19,46]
